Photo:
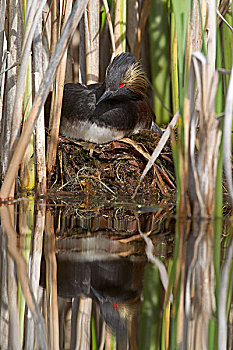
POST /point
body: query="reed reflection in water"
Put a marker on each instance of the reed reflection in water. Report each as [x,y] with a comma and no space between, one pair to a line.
[87,284]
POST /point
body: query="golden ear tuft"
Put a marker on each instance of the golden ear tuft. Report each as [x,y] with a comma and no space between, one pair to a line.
[135,79]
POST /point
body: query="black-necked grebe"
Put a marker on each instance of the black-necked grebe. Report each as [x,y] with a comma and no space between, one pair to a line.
[106,112]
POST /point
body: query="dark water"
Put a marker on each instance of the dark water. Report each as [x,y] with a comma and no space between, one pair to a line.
[87,275]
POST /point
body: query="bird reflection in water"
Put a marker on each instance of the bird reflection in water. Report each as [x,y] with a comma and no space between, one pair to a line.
[99,266]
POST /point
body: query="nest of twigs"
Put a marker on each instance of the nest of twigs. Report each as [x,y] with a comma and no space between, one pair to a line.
[114,168]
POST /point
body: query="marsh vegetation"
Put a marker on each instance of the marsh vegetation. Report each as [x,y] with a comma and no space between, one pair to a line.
[178,241]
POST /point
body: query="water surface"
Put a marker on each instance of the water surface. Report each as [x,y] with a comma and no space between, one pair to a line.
[84,274]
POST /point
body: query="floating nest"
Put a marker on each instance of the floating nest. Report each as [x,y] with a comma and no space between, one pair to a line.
[113,169]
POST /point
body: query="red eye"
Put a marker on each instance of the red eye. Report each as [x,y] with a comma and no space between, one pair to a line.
[115,305]
[121,85]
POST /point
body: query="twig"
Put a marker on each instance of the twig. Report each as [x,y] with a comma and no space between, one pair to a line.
[160,99]
[223,71]
[158,149]
[223,19]
[154,260]
[12,66]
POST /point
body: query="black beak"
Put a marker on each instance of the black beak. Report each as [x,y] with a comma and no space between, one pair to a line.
[98,296]
[105,96]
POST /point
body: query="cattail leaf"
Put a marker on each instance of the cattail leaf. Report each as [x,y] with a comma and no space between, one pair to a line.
[159,51]
[181,9]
